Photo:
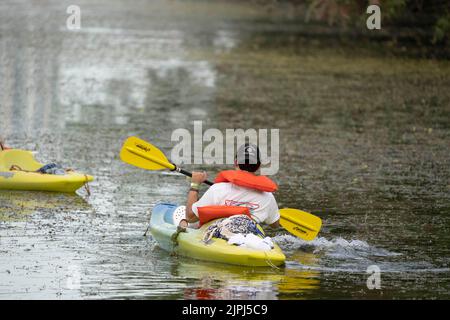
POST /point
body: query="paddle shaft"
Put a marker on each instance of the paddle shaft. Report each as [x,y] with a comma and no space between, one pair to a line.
[189,174]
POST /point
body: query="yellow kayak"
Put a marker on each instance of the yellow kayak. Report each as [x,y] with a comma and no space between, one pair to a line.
[190,244]
[23,177]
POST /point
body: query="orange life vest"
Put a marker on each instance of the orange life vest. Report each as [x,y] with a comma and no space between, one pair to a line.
[240,178]
[208,213]
[247,179]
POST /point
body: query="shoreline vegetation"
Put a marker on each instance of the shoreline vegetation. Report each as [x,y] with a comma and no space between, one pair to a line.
[414,28]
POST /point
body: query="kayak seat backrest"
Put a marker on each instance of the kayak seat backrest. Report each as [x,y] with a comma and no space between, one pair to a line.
[22,158]
[179,214]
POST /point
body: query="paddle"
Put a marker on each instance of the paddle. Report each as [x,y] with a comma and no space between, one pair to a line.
[300,223]
[143,154]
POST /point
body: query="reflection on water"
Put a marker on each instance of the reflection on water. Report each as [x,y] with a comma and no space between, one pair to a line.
[30,224]
[363,142]
[17,205]
[140,87]
[215,281]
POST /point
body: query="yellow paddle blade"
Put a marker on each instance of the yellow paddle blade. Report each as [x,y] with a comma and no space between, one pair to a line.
[300,223]
[143,154]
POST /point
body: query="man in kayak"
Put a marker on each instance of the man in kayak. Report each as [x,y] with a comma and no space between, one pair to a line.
[239,187]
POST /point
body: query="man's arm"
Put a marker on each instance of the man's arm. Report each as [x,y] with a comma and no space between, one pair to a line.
[191,199]
[197,179]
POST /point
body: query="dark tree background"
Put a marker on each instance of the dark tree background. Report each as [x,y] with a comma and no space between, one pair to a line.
[423,21]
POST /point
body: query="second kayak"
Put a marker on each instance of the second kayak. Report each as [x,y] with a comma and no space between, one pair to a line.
[190,243]
[24,177]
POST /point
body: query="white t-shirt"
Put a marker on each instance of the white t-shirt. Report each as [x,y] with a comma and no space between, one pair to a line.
[262,205]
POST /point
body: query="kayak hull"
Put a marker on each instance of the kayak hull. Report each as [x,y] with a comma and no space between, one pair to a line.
[25,178]
[31,181]
[190,244]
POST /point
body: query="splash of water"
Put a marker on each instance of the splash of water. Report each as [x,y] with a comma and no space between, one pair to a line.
[338,248]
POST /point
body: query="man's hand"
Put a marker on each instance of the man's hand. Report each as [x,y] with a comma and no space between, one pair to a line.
[199,177]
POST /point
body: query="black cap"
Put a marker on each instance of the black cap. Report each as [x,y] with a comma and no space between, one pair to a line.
[248,154]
